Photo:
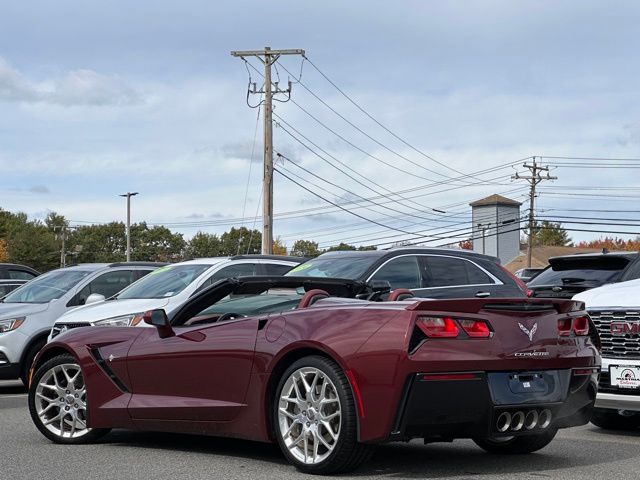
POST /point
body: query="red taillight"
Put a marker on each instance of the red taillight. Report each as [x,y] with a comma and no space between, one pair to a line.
[581,326]
[438,327]
[586,371]
[521,284]
[564,327]
[475,328]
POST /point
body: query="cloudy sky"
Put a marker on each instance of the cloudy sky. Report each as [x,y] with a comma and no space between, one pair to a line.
[100,98]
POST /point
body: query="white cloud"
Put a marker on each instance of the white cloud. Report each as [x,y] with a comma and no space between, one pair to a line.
[77,87]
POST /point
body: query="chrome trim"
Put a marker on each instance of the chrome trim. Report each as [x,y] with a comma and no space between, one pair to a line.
[618,402]
[489,274]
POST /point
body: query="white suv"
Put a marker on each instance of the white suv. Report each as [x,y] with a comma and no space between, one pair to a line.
[168,288]
[615,311]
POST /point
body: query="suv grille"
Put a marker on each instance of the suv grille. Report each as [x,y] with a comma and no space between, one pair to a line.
[624,345]
[58,329]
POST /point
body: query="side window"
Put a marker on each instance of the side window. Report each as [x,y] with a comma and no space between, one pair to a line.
[107,284]
[633,272]
[275,269]
[20,275]
[7,287]
[234,270]
[400,272]
[450,271]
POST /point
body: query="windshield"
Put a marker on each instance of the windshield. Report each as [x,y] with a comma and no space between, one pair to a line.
[350,267]
[47,287]
[255,304]
[164,282]
[575,277]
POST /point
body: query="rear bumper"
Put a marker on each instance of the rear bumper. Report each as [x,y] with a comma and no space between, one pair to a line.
[470,404]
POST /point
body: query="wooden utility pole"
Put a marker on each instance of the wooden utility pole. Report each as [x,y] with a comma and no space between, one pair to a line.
[534,179]
[268,57]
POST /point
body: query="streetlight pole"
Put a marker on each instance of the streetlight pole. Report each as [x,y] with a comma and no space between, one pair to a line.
[129,195]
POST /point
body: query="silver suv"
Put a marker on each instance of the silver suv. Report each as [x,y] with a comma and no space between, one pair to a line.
[27,313]
[168,288]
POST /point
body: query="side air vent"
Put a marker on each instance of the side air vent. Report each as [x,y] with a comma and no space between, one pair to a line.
[104,365]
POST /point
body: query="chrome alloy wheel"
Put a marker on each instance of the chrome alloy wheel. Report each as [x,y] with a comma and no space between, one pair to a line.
[61,401]
[309,415]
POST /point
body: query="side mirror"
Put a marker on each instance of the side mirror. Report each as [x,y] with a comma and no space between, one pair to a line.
[158,318]
[94,298]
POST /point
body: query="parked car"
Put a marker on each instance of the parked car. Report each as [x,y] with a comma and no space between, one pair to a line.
[27,313]
[615,310]
[527,274]
[569,275]
[13,275]
[169,287]
[325,375]
[427,272]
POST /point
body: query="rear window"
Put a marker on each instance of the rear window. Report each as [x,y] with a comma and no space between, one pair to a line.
[349,267]
[576,271]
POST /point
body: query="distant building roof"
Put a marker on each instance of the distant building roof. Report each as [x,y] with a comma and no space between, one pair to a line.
[540,256]
[495,200]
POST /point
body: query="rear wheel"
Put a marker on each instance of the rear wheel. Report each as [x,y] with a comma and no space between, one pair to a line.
[517,445]
[612,420]
[58,402]
[315,418]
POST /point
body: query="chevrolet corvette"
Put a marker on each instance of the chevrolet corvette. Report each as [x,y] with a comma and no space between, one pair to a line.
[326,370]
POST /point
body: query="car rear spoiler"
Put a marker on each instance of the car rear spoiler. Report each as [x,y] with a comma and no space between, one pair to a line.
[516,305]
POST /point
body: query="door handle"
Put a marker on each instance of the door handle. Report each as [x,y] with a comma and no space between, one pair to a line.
[483,294]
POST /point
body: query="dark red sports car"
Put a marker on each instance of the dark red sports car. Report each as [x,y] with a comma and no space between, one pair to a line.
[322,368]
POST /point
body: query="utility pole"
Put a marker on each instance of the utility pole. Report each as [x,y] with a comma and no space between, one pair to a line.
[534,179]
[63,248]
[268,57]
[483,227]
[128,231]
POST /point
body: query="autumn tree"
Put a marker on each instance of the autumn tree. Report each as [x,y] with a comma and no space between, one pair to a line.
[612,243]
[279,248]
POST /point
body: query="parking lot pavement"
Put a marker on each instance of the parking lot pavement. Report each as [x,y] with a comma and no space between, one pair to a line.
[579,453]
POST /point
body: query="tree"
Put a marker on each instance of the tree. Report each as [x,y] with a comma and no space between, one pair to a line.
[279,248]
[4,251]
[466,244]
[362,248]
[240,240]
[28,242]
[550,234]
[203,245]
[305,248]
[156,244]
[341,247]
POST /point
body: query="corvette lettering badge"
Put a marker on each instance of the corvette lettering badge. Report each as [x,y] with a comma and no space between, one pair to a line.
[527,332]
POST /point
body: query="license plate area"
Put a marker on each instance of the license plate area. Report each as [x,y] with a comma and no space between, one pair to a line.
[625,376]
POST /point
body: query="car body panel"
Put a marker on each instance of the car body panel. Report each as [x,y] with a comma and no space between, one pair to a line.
[219,378]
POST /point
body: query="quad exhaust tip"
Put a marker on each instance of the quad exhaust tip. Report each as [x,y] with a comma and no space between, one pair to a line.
[516,421]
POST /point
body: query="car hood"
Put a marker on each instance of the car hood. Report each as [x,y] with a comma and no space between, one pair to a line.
[111,308]
[624,294]
[21,309]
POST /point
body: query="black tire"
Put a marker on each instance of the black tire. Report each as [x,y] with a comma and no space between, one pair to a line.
[347,454]
[612,420]
[517,445]
[88,437]
[28,361]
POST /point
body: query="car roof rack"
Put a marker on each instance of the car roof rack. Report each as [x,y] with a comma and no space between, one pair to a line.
[269,257]
[137,264]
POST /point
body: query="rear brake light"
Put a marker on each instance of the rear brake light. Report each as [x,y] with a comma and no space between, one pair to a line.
[564,327]
[438,327]
[581,326]
[586,371]
[521,284]
[475,328]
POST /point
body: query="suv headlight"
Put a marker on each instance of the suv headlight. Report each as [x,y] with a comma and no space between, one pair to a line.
[130,320]
[10,324]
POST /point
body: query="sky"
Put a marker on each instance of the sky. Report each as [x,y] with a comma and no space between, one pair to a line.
[102,98]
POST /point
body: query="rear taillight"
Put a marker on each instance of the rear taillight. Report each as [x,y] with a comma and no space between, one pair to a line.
[438,327]
[581,326]
[475,328]
[521,284]
[564,327]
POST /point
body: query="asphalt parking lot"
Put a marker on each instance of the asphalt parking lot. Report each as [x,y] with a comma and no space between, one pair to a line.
[578,453]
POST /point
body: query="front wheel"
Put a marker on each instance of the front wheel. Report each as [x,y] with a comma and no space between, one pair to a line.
[612,420]
[517,445]
[315,418]
[58,402]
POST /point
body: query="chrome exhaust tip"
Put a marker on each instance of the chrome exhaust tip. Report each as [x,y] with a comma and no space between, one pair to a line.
[504,422]
[544,419]
[517,421]
[531,419]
